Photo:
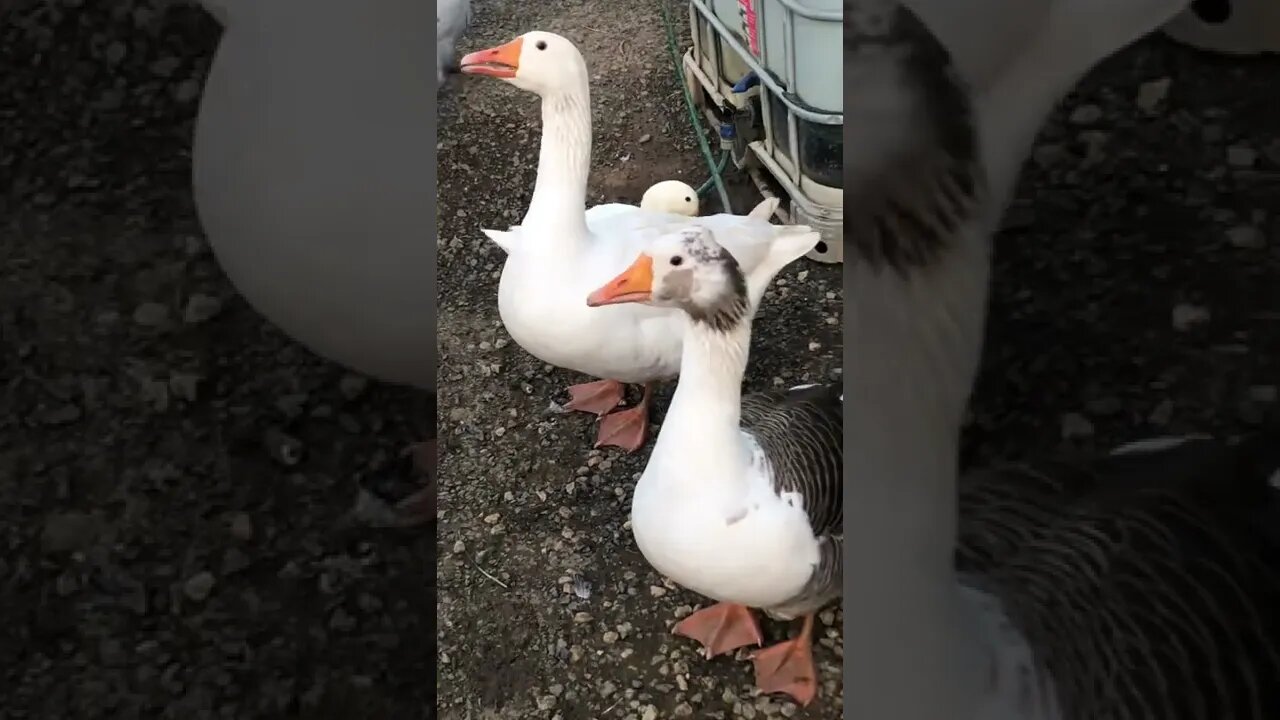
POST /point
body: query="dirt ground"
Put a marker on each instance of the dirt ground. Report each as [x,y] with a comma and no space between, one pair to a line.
[1135,294]
[158,561]
[546,608]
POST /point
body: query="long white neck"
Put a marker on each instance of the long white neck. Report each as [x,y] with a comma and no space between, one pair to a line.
[914,351]
[707,406]
[558,206]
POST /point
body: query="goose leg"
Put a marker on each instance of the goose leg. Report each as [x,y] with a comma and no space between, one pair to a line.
[627,429]
[788,666]
[597,397]
[721,628]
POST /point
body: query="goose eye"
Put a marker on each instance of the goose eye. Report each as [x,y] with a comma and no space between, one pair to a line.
[676,260]
[541,44]
[688,199]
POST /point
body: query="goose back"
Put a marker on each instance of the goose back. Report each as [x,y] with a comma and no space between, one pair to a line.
[800,435]
[1148,583]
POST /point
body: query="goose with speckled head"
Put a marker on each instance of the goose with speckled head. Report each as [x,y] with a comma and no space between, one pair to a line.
[1141,585]
[741,499]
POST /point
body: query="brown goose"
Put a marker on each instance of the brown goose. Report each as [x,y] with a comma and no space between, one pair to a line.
[742,499]
[1145,585]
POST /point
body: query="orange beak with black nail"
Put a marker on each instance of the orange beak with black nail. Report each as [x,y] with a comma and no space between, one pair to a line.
[634,285]
[501,62]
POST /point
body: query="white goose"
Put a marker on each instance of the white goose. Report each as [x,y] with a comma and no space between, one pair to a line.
[742,499]
[1143,587]
[669,196]
[452,19]
[559,251]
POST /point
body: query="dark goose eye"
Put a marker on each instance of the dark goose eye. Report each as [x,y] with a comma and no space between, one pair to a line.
[676,260]
[541,45]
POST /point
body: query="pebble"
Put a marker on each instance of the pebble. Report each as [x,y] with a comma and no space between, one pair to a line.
[1186,316]
[1075,425]
[1241,156]
[1162,413]
[200,309]
[241,526]
[1263,393]
[151,315]
[1247,237]
[352,386]
[1152,93]
[199,586]
[1104,407]
[1086,115]
[69,532]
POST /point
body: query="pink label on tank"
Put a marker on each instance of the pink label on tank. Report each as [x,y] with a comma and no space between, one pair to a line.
[747,9]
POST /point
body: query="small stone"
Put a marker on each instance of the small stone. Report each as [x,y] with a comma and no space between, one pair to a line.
[353,386]
[199,586]
[151,315]
[1104,407]
[233,561]
[1152,93]
[165,67]
[241,527]
[1186,315]
[1086,115]
[68,532]
[201,308]
[283,448]
[684,709]
[184,386]
[1162,414]
[1241,156]
[186,91]
[1075,425]
[1247,237]
[1048,155]
[645,138]
[342,621]
[546,702]
[649,713]
[116,52]
[1263,394]
[657,591]
[610,637]
[492,518]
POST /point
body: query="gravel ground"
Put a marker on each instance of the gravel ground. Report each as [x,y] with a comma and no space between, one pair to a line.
[163,557]
[546,609]
[1134,294]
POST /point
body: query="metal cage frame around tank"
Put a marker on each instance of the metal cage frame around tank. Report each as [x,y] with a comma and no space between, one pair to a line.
[787,169]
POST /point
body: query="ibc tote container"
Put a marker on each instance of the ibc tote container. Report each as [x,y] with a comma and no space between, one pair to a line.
[790,115]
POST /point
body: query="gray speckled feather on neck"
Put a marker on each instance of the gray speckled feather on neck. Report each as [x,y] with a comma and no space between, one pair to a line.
[911,162]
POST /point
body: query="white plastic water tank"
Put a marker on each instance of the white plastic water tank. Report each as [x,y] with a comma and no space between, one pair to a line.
[810,66]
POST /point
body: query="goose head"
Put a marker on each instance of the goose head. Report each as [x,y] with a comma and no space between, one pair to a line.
[671,196]
[687,270]
[539,62]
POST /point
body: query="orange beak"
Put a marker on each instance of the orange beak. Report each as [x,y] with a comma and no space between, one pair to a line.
[634,285]
[501,62]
